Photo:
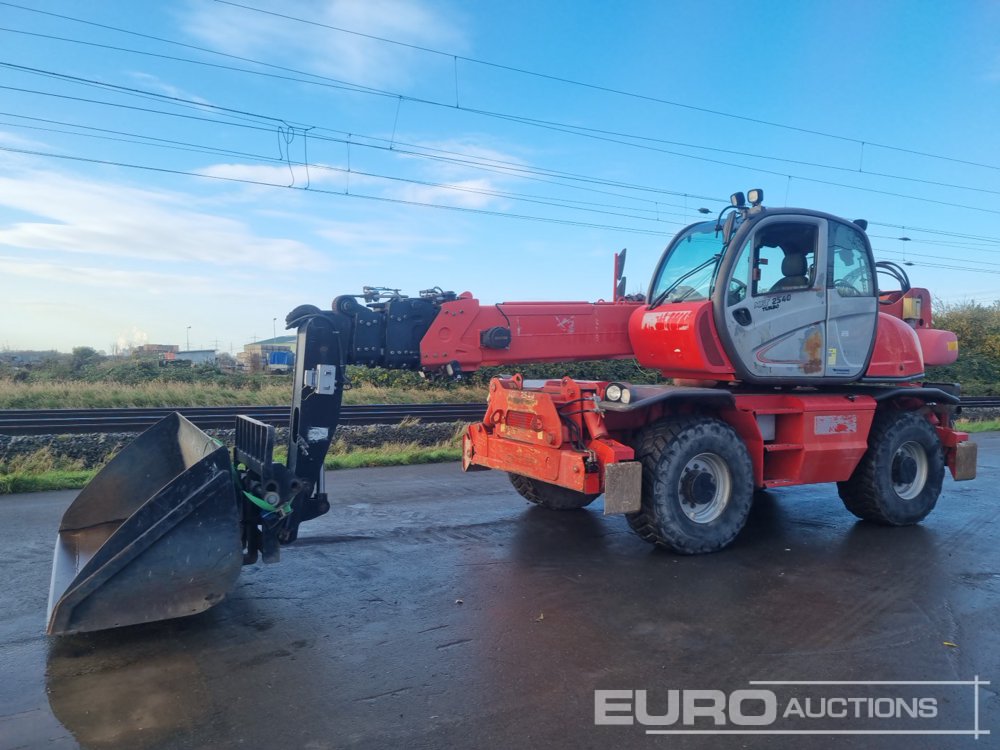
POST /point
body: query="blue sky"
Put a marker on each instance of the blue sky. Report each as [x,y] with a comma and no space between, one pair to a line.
[152,187]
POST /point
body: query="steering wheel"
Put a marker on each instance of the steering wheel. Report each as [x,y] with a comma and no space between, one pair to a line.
[845,288]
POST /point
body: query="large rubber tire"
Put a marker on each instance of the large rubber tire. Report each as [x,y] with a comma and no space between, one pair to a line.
[898,481]
[697,485]
[549,496]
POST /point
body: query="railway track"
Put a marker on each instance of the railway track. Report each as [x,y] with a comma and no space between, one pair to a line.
[981,402]
[67,421]
[72,421]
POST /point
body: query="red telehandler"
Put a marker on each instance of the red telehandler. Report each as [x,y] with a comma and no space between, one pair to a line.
[789,366]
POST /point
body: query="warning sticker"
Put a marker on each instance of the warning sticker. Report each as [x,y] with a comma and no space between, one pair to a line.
[835,424]
[831,356]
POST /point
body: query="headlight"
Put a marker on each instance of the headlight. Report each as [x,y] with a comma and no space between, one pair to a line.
[617,392]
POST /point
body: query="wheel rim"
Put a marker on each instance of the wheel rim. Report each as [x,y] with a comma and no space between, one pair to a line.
[909,470]
[704,488]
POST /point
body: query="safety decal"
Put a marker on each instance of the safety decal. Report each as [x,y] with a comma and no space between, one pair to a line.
[835,424]
[831,356]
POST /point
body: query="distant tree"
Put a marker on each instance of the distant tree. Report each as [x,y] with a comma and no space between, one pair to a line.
[978,329]
[83,356]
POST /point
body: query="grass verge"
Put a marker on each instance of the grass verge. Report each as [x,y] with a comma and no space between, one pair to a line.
[69,394]
[56,479]
[393,455]
[986,425]
[41,472]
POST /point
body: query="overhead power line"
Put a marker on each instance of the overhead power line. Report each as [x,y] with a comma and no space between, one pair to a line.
[626,139]
[253,121]
[947,266]
[351,138]
[321,191]
[606,89]
[277,161]
[831,183]
[146,140]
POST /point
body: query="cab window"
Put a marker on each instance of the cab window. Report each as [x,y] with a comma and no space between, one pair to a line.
[784,257]
[740,279]
[850,268]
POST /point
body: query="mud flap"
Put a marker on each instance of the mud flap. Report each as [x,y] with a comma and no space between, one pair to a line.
[155,535]
[964,465]
[622,488]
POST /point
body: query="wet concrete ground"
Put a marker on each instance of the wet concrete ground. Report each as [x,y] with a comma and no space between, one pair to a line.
[435,609]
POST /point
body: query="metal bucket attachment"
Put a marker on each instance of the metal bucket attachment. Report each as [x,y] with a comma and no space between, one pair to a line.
[155,534]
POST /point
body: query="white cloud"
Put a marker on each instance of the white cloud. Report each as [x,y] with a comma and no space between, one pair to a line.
[13,140]
[471,148]
[153,83]
[325,51]
[146,282]
[89,217]
[280,174]
[367,240]
[451,187]
[470,186]
[462,193]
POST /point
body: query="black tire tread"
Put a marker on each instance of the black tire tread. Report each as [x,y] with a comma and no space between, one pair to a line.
[860,493]
[651,443]
[548,495]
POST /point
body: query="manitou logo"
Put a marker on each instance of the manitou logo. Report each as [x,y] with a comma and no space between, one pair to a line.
[800,707]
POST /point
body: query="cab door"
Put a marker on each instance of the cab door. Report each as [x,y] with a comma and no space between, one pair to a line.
[852,302]
[776,299]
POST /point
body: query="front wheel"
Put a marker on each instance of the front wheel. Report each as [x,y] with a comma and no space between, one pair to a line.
[697,485]
[898,481]
[548,495]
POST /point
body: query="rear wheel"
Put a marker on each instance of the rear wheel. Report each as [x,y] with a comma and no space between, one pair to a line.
[899,478]
[697,485]
[549,496]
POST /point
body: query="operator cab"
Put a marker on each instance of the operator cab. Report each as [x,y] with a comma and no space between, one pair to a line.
[793,292]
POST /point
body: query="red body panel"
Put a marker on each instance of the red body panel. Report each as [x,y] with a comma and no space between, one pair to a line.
[938,347]
[556,434]
[540,332]
[816,438]
[897,354]
[917,304]
[680,341]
